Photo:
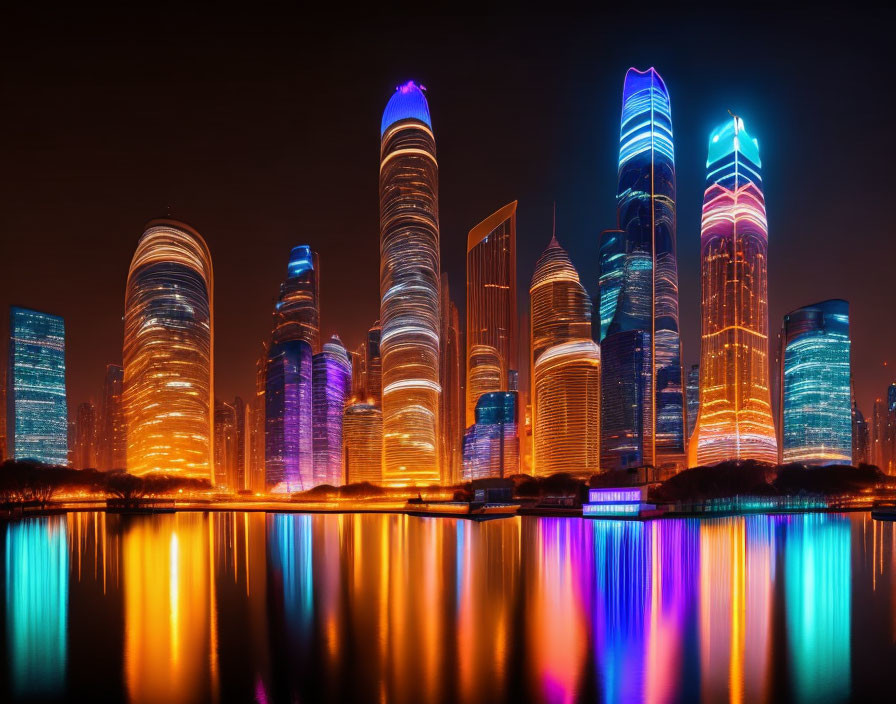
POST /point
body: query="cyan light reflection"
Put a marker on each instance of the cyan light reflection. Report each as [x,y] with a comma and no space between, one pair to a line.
[37,605]
[291,552]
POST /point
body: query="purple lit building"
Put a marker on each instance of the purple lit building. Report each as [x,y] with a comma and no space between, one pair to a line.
[492,443]
[288,418]
[332,380]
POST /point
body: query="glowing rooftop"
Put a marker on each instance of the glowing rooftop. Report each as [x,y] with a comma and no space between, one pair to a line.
[407,103]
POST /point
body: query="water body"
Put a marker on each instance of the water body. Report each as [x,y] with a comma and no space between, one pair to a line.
[245,607]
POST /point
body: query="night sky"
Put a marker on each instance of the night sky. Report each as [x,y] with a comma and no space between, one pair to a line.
[262,131]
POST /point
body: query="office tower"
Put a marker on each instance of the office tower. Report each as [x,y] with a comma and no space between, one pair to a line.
[815,402]
[258,416]
[409,289]
[36,406]
[289,456]
[493,441]
[85,437]
[225,446]
[362,437]
[331,384]
[560,312]
[692,392]
[168,347]
[297,311]
[359,371]
[567,409]
[243,416]
[879,454]
[642,419]
[889,431]
[860,438]
[735,419]
[112,431]
[491,305]
[373,364]
[451,371]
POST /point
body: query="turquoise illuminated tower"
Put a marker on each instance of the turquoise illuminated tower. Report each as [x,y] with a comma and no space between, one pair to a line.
[815,407]
[642,400]
[36,411]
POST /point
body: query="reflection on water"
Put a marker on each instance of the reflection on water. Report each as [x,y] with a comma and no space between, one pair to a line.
[287,607]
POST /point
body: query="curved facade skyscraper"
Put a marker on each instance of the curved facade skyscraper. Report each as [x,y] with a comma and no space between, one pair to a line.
[409,290]
[168,346]
[297,311]
[735,417]
[491,300]
[816,397]
[362,442]
[332,381]
[643,402]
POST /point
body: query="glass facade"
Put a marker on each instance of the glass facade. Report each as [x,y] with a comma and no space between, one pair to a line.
[332,380]
[36,410]
[409,290]
[289,455]
[168,346]
[85,437]
[491,302]
[639,286]
[493,442]
[735,418]
[451,370]
[113,434]
[816,411]
[692,393]
[297,311]
[225,446]
[362,433]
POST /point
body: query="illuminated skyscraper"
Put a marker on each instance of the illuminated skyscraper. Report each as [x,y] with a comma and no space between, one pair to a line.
[567,409]
[409,289]
[494,438]
[112,432]
[168,345]
[362,448]
[289,455]
[491,305]
[243,417]
[332,379]
[815,408]
[879,453]
[861,441]
[451,371]
[373,365]
[85,437]
[225,446]
[36,406]
[692,393]
[735,418]
[642,419]
[257,456]
[297,311]
[560,312]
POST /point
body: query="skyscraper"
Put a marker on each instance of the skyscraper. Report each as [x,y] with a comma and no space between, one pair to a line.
[494,438]
[243,416]
[297,311]
[451,371]
[225,446]
[373,364]
[566,366]
[642,417]
[879,454]
[331,383]
[112,431]
[409,289]
[259,418]
[735,418]
[168,347]
[815,404]
[362,442]
[85,437]
[36,406]
[491,305]
[289,456]
[861,442]
[567,409]
[692,392]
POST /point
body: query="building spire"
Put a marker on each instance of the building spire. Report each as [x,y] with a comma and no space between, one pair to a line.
[554,242]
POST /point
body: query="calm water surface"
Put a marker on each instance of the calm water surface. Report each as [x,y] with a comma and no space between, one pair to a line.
[297,608]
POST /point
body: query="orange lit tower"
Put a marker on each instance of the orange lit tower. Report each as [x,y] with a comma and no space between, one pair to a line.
[735,416]
[409,290]
[168,362]
[491,305]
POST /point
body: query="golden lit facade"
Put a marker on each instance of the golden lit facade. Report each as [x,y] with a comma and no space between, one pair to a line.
[362,442]
[735,417]
[409,289]
[168,361]
[452,374]
[567,402]
[491,304]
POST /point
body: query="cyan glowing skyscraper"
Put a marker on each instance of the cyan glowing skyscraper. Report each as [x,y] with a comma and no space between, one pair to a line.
[168,353]
[36,410]
[735,418]
[332,381]
[642,411]
[815,404]
[493,440]
[409,289]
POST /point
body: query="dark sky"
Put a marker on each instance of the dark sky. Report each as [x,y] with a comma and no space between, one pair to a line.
[261,129]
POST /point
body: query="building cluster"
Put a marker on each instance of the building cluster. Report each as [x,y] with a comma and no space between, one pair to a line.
[569,385]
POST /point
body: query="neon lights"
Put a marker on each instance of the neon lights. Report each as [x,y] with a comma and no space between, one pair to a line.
[493,441]
[407,103]
[332,376]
